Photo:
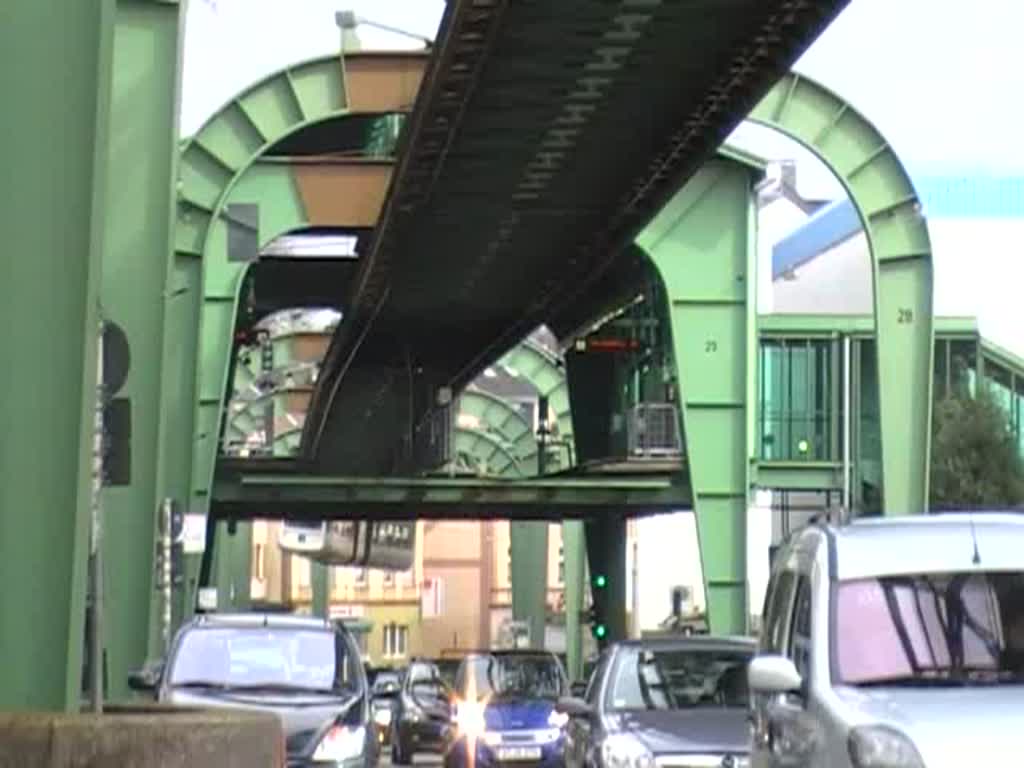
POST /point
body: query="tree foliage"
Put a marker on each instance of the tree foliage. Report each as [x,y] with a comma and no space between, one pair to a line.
[976,461]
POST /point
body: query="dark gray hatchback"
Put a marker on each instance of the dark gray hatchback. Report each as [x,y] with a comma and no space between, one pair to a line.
[307,671]
[667,701]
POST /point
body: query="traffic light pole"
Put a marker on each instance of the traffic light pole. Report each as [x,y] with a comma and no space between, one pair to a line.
[606,553]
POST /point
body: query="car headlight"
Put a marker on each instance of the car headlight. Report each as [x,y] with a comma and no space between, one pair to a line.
[341,742]
[877,746]
[469,718]
[623,751]
[557,719]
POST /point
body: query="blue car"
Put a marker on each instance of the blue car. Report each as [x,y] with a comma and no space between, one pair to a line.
[504,711]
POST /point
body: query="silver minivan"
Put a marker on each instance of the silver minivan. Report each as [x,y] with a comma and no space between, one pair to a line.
[894,643]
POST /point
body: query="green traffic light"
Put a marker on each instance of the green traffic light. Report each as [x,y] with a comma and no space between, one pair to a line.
[600,631]
[600,581]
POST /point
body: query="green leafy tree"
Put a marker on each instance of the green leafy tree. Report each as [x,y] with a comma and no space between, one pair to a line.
[976,460]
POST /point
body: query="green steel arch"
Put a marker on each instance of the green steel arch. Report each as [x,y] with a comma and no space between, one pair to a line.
[543,370]
[485,450]
[221,165]
[901,259]
[496,415]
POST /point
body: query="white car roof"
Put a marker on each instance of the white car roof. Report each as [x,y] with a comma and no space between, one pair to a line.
[933,543]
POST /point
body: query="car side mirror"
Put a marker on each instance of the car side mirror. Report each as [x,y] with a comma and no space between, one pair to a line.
[772,674]
[578,689]
[574,707]
[147,679]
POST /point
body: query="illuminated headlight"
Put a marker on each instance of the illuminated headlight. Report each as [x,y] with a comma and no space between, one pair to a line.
[469,718]
[340,743]
[558,719]
[382,717]
[623,751]
[881,747]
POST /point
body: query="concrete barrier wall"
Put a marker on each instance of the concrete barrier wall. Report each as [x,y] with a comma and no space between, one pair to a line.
[152,737]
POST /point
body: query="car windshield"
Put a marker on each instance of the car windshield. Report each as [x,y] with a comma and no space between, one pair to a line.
[679,678]
[242,657]
[448,669]
[386,680]
[927,629]
[511,676]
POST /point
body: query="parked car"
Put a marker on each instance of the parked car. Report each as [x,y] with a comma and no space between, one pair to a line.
[421,715]
[305,670]
[894,642]
[504,711]
[678,701]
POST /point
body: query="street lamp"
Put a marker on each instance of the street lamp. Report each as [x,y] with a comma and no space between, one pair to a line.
[347,21]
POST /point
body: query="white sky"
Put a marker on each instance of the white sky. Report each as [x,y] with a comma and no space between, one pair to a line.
[942,79]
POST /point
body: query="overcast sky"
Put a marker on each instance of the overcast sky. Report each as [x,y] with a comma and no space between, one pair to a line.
[942,79]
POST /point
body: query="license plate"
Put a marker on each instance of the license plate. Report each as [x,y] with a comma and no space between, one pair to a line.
[511,754]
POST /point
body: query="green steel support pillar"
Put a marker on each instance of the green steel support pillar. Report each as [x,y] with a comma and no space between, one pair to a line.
[56,59]
[233,567]
[143,154]
[319,581]
[901,262]
[606,554]
[530,577]
[574,553]
[702,243]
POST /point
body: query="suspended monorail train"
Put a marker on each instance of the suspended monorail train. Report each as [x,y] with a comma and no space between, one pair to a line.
[385,544]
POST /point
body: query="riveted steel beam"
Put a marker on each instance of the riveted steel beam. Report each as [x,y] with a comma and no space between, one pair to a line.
[901,262]
[57,58]
[220,166]
[703,246]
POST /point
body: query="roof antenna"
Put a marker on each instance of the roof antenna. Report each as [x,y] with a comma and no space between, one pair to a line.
[974,537]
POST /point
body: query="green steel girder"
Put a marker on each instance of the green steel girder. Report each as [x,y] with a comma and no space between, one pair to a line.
[703,245]
[140,198]
[492,455]
[799,475]
[529,540]
[57,86]
[253,495]
[218,166]
[901,255]
[543,370]
[495,414]
[232,564]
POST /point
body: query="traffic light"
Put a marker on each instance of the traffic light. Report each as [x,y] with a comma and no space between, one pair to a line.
[598,625]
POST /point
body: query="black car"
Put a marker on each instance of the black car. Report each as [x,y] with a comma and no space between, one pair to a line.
[421,717]
[385,687]
[661,701]
[305,670]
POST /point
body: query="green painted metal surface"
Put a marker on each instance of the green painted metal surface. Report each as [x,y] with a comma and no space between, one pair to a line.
[497,414]
[544,371]
[232,566]
[606,559]
[218,166]
[529,543]
[319,580]
[703,244]
[143,154]
[266,494]
[574,552]
[57,58]
[884,196]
